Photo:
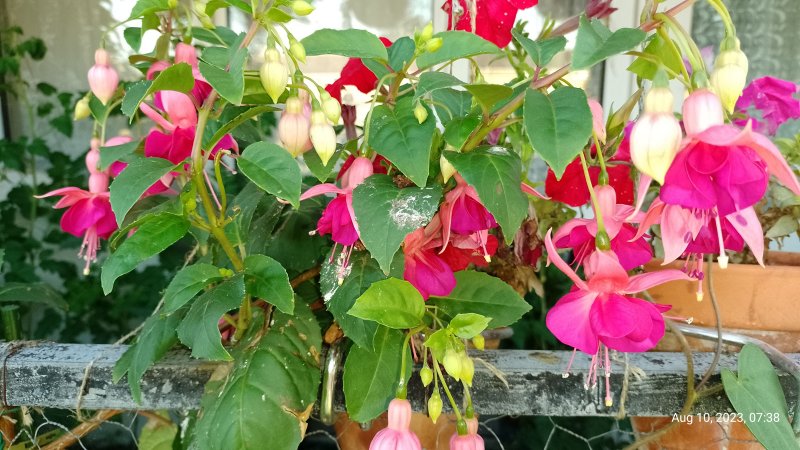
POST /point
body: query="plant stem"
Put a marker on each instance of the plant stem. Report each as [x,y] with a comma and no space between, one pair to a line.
[595,203]
[717,318]
[438,372]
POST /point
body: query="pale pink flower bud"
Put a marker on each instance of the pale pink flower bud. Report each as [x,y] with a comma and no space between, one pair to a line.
[598,124]
[701,110]
[655,140]
[98,182]
[468,442]
[397,435]
[659,100]
[730,76]
[274,74]
[93,156]
[323,136]
[103,79]
[293,128]
[360,170]
[185,53]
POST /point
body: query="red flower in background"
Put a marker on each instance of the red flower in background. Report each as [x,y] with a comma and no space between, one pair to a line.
[493,18]
[355,73]
[571,188]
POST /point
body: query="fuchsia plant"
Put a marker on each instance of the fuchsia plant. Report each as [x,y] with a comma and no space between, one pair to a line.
[410,248]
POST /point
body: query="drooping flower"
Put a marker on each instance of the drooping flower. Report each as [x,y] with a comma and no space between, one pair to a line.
[274,74]
[294,126]
[160,186]
[424,268]
[774,99]
[730,74]
[397,434]
[491,19]
[470,441]
[463,213]
[355,73]
[175,142]
[579,234]
[656,136]
[103,79]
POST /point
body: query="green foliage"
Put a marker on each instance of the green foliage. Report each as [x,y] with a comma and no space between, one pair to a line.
[542,51]
[456,45]
[396,134]
[267,280]
[659,49]
[187,283]
[177,77]
[273,169]
[227,76]
[128,187]
[392,303]
[399,211]
[483,294]
[351,43]
[596,42]
[488,95]
[431,81]
[468,325]
[109,155]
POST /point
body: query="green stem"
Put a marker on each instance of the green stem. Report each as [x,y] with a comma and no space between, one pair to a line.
[438,372]
[402,385]
[367,120]
[671,44]
[11,328]
[601,159]
[595,203]
[730,30]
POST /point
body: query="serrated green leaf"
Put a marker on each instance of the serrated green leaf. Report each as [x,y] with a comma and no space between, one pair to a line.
[595,42]
[25,293]
[479,293]
[494,172]
[370,378]
[456,45]
[152,343]
[350,43]
[431,81]
[128,187]
[266,398]
[468,325]
[267,280]
[784,226]
[228,80]
[488,95]
[177,77]
[272,169]
[392,303]
[559,125]
[542,51]
[396,134]
[199,330]
[386,214]
[112,154]
[757,395]
[187,283]
[151,238]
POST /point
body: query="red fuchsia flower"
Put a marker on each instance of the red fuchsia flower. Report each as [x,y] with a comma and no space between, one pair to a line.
[493,19]
[176,141]
[184,53]
[773,98]
[572,190]
[462,213]
[600,313]
[579,234]
[355,73]
[397,435]
[103,79]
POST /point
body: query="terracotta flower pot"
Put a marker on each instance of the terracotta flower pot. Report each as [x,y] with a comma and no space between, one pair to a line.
[757,301]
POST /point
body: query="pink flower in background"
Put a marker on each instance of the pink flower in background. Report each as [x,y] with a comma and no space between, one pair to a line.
[599,310]
[493,18]
[103,79]
[425,269]
[397,435]
[579,234]
[175,142]
[773,98]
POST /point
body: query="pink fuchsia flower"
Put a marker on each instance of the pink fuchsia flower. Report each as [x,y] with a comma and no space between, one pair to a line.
[598,123]
[117,167]
[176,141]
[462,213]
[773,98]
[355,73]
[723,167]
[397,434]
[490,19]
[184,53]
[470,441]
[103,79]
[425,268]
[579,234]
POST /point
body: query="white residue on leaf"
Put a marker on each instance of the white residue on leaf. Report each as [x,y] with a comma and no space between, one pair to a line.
[405,214]
[497,150]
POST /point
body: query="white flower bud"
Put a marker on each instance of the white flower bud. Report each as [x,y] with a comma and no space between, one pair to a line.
[274,74]
[323,136]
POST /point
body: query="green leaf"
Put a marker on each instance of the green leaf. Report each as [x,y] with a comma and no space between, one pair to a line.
[177,77]
[541,52]
[397,135]
[187,283]
[392,303]
[273,169]
[661,51]
[757,395]
[41,293]
[154,340]
[321,171]
[267,280]
[370,378]
[229,82]
[401,52]
[595,42]
[468,325]
[458,130]
[351,43]
[133,36]
[110,155]
[386,214]
[150,239]
[143,7]
[456,45]
[479,293]
[451,104]
[494,172]
[784,226]
[270,391]
[339,299]
[199,330]
[559,125]
[128,187]
[157,435]
[431,81]
[488,95]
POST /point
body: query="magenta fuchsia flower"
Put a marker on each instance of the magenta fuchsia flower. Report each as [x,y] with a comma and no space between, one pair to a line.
[579,234]
[175,142]
[103,79]
[425,268]
[462,213]
[184,53]
[773,98]
[397,434]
